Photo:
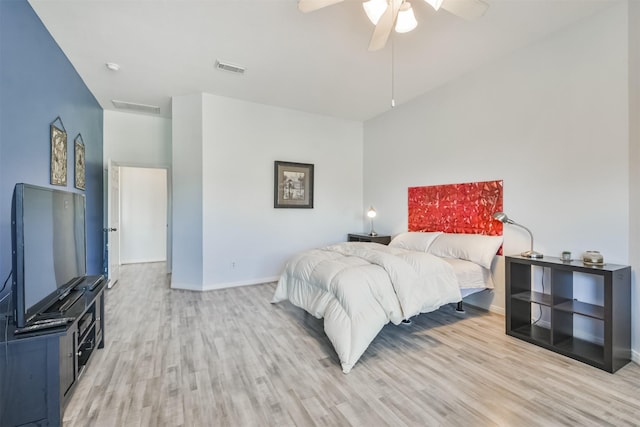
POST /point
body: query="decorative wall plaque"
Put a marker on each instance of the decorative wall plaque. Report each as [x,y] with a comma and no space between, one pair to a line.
[58,153]
[80,163]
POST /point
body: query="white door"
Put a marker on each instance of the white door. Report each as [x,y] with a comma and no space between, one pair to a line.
[143,215]
[113,223]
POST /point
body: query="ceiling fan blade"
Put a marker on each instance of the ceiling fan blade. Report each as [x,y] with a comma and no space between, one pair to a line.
[467,9]
[385,26]
[311,5]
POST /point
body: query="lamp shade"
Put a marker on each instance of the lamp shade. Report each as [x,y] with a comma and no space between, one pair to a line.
[502,217]
[406,19]
[374,9]
[371,213]
[435,4]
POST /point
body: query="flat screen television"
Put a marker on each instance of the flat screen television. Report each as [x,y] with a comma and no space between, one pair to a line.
[49,247]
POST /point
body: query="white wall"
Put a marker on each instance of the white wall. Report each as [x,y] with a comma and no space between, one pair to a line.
[187,192]
[244,238]
[551,120]
[136,139]
[143,220]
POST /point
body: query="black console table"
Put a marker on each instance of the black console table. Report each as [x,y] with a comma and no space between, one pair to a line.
[40,370]
[612,316]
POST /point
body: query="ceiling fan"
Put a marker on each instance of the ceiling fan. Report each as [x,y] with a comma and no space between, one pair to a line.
[385,13]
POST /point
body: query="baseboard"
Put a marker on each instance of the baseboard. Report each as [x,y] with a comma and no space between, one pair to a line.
[492,308]
[141,261]
[186,286]
[214,286]
[635,357]
[497,309]
[485,300]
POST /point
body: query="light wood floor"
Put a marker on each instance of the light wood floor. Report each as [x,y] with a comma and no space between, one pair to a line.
[230,358]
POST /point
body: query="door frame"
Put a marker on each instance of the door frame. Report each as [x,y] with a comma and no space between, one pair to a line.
[112,228]
[169,235]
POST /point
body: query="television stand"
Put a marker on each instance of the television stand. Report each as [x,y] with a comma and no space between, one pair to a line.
[40,369]
[69,300]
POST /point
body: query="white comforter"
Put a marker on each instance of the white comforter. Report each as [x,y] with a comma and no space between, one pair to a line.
[359,287]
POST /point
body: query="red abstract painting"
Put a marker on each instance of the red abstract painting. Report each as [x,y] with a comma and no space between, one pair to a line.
[456,208]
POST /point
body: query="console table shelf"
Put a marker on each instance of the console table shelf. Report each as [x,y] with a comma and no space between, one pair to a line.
[561,310]
[532,333]
[537,297]
[582,308]
[582,350]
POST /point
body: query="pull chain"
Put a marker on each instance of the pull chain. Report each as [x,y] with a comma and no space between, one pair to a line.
[393,89]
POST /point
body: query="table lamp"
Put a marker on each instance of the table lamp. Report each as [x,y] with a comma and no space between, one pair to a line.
[503,218]
[371,213]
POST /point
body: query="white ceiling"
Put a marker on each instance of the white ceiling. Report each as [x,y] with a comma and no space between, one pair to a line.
[316,62]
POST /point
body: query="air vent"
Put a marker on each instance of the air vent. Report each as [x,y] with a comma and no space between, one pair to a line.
[225,66]
[140,108]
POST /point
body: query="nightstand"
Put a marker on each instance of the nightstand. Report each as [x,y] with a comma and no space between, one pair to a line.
[363,237]
[612,316]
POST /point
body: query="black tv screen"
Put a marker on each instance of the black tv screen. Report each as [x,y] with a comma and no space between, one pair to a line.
[49,248]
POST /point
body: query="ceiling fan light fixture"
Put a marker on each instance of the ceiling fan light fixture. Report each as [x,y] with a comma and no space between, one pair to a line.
[435,4]
[406,19]
[374,9]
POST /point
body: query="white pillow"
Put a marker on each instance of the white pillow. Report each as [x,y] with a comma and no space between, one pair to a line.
[476,248]
[414,240]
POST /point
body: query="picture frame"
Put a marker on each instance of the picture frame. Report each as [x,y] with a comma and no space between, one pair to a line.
[58,153]
[80,163]
[293,185]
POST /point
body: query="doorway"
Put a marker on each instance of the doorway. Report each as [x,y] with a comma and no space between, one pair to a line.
[138,224]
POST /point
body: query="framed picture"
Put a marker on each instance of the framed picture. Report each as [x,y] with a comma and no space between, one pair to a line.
[58,153]
[80,163]
[293,185]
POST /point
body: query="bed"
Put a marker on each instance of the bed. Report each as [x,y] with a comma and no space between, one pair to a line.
[357,287]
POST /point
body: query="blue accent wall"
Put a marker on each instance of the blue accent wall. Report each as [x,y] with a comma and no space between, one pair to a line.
[37,84]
